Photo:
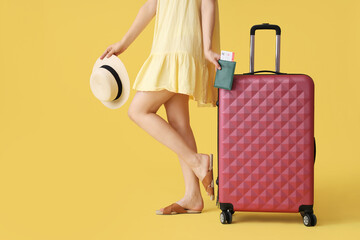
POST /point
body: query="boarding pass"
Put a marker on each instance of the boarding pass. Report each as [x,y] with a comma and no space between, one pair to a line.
[227,56]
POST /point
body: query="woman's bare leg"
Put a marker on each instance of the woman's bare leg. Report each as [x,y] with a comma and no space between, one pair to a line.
[177,111]
[143,110]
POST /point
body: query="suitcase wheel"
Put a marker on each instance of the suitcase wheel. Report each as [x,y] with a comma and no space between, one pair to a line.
[309,219]
[226,217]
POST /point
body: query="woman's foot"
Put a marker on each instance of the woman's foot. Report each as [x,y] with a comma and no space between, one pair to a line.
[194,203]
[204,172]
[204,163]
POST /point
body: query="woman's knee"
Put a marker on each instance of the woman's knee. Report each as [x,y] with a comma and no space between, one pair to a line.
[147,102]
[136,108]
[133,113]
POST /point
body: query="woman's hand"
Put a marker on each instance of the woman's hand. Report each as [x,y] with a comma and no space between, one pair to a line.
[212,57]
[115,48]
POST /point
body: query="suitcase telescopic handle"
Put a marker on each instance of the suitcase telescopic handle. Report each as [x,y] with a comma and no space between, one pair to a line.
[252,43]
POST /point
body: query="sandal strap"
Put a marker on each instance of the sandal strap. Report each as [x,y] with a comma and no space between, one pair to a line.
[174,207]
[208,182]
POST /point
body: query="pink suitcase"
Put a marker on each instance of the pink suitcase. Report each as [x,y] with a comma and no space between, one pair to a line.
[266,145]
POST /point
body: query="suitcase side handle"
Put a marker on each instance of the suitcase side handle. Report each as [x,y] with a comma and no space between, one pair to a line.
[252,43]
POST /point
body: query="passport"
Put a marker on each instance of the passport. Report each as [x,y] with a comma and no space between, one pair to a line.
[224,77]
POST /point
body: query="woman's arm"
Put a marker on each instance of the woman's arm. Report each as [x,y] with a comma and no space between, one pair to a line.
[144,16]
[208,23]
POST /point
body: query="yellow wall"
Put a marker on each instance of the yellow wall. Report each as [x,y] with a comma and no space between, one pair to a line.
[70,168]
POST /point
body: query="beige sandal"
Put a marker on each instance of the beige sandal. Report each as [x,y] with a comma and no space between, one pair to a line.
[208,180]
[175,208]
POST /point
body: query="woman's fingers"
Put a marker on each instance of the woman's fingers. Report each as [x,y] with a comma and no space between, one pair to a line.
[214,57]
[217,56]
[110,53]
[216,63]
[104,54]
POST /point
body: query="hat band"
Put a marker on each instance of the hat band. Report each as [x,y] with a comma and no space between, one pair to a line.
[117,78]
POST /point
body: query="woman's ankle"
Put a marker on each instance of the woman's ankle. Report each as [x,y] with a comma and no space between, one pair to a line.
[193,195]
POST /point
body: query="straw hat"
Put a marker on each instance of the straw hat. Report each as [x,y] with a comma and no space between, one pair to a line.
[109,82]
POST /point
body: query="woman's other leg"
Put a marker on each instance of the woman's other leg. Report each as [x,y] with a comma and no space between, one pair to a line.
[143,110]
[177,111]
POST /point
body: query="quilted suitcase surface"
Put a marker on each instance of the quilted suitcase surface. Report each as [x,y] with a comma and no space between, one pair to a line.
[266,142]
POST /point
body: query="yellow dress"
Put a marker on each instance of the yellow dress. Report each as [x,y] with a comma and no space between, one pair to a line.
[176,61]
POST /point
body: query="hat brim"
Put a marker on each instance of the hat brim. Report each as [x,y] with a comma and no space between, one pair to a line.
[119,67]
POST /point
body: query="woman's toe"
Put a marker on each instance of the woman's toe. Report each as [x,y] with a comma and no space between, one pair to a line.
[160,211]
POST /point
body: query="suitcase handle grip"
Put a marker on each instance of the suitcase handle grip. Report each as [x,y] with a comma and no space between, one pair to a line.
[265,26]
[251,73]
[252,43]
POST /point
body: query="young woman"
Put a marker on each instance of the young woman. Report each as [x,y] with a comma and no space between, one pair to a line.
[181,66]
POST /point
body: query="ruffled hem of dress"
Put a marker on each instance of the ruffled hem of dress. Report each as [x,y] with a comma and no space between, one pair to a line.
[178,72]
[199,102]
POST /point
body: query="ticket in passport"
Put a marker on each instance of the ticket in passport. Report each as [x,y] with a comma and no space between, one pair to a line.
[224,76]
[227,56]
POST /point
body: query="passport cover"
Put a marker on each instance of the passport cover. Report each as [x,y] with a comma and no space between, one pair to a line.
[224,77]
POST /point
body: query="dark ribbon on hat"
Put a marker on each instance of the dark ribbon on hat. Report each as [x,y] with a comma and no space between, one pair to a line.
[117,78]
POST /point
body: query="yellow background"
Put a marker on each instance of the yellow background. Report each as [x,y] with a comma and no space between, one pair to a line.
[70,168]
